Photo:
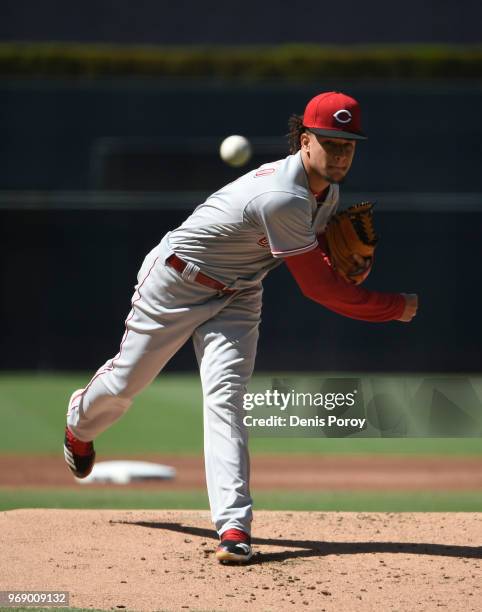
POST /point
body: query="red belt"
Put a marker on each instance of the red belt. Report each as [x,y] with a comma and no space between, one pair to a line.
[178,264]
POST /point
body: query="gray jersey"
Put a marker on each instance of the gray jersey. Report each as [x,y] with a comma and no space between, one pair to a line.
[243,230]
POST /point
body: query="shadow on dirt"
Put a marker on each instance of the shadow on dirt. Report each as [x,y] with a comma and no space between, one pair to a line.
[313,548]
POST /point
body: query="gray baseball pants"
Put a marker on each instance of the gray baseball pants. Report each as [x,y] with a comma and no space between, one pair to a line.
[167,310]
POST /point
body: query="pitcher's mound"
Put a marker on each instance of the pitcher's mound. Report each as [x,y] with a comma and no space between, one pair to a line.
[147,560]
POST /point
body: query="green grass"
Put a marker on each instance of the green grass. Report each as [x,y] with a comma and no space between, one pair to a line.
[349,501]
[166,418]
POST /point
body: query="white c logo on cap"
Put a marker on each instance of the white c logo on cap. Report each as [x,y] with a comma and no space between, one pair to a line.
[343,116]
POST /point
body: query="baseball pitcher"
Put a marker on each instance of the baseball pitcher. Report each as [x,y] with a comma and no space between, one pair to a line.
[204,281]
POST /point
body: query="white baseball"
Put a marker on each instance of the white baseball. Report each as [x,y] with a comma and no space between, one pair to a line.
[235,150]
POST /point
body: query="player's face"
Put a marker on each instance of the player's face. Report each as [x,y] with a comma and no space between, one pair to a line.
[331,158]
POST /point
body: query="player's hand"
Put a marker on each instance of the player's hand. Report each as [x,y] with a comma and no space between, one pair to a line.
[411,306]
[364,267]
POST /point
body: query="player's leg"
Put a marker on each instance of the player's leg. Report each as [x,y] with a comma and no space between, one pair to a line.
[226,350]
[165,311]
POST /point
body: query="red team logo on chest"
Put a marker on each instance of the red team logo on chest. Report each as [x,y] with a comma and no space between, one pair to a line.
[265,172]
[263,242]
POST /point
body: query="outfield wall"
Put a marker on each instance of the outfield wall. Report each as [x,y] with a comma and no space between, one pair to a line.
[67,277]
[69,258]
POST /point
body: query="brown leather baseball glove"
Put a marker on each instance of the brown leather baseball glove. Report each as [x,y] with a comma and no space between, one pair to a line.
[351,240]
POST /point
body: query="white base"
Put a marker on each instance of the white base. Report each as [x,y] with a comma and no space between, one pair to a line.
[124,472]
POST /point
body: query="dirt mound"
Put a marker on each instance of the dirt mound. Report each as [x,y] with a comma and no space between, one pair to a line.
[148,560]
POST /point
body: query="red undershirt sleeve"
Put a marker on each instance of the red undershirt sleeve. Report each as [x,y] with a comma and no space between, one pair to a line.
[319,282]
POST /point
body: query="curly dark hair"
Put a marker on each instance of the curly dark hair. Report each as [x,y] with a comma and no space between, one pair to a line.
[296,128]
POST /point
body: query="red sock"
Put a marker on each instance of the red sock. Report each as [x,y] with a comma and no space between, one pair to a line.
[235,534]
[79,447]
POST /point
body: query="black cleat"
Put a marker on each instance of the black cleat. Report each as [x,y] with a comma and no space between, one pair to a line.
[235,546]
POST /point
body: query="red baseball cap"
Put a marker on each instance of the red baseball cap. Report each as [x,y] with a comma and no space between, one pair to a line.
[334,114]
